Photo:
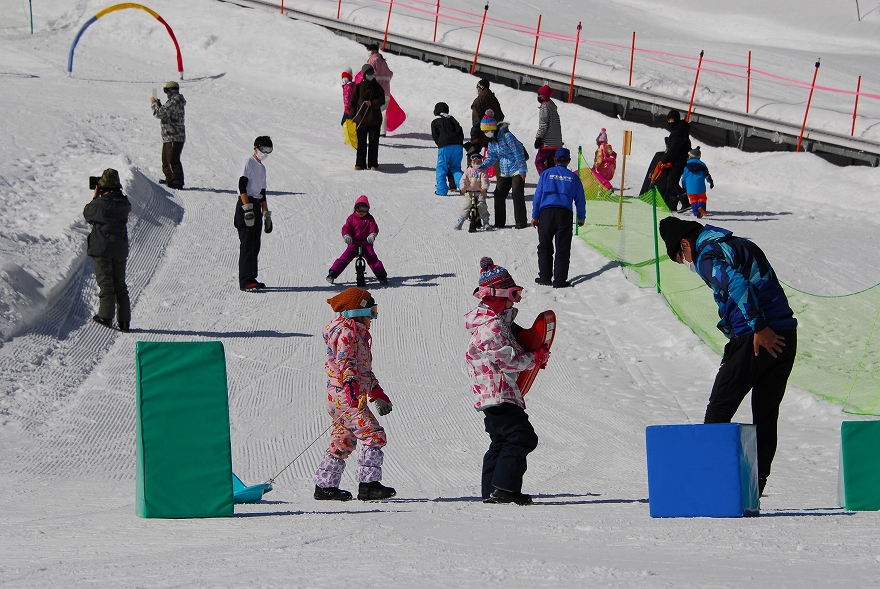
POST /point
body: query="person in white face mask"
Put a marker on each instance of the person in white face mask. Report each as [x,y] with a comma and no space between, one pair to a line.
[755,317]
[366,105]
[252,215]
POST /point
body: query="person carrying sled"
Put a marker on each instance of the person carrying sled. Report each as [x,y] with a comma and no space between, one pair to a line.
[673,160]
[494,359]
[474,184]
[605,161]
[694,179]
[359,232]
[351,386]
[549,136]
[172,117]
[107,213]
[366,107]
[449,136]
[509,153]
[558,188]
[484,101]
[383,77]
[755,317]
[252,215]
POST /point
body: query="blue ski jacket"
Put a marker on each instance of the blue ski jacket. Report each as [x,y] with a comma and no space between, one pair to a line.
[559,187]
[509,151]
[694,177]
[746,290]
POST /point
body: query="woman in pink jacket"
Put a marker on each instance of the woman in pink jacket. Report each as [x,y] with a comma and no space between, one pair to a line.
[360,231]
[350,384]
[495,358]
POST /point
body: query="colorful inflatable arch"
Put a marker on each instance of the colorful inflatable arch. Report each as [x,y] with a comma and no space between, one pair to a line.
[114,8]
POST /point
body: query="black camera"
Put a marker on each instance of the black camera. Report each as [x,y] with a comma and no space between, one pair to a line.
[93,182]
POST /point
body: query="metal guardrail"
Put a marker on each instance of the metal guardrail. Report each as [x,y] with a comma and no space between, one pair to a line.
[716,125]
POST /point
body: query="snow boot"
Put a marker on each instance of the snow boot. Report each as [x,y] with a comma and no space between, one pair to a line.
[124,326]
[331,494]
[486,225]
[500,496]
[458,224]
[102,321]
[374,491]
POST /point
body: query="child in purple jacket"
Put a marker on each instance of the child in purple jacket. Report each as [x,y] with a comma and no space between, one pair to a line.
[360,230]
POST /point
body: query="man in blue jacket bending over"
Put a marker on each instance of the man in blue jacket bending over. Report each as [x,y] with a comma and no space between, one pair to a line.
[754,314]
[558,188]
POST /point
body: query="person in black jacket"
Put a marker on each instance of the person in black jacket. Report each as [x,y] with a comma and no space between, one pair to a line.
[107,213]
[678,144]
[366,108]
[449,137]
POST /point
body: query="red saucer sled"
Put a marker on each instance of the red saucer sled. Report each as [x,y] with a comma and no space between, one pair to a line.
[541,332]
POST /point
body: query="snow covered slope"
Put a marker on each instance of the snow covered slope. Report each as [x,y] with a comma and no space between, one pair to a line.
[621,361]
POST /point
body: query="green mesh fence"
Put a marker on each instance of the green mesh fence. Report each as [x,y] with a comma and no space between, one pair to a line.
[838,356]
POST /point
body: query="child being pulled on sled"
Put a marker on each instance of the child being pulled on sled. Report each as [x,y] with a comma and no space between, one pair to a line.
[351,386]
[360,231]
[494,359]
[474,182]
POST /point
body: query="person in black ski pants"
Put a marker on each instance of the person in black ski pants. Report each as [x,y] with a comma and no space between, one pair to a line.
[678,144]
[252,215]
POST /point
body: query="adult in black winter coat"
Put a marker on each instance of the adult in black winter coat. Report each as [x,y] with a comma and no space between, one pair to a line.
[678,144]
[366,107]
[107,213]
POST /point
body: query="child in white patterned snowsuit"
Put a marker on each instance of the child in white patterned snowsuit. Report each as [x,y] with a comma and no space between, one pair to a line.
[495,358]
[474,181]
[350,384]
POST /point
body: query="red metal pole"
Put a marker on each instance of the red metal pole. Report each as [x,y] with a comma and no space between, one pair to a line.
[856,108]
[479,39]
[694,91]
[537,34]
[748,82]
[282,6]
[807,112]
[387,22]
[632,56]
[338,9]
[577,45]
[436,20]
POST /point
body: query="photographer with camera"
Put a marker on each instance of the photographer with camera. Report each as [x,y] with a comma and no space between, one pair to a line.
[107,213]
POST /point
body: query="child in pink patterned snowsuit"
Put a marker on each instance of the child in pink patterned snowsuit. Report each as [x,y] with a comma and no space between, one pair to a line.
[495,358]
[350,384]
[360,230]
[347,90]
[605,162]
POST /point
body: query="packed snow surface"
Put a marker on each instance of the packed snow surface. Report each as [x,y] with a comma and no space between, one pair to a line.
[621,360]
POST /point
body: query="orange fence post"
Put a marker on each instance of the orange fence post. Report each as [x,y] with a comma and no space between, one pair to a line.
[748,82]
[577,45]
[338,9]
[537,34]
[436,20]
[694,91]
[632,55]
[856,107]
[282,6]
[807,112]
[479,39]
[387,22]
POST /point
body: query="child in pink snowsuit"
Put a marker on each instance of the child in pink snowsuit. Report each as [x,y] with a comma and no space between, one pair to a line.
[350,384]
[360,231]
[347,89]
[494,360]
[605,163]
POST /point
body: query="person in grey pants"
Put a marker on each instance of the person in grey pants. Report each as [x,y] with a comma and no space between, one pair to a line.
[107,213]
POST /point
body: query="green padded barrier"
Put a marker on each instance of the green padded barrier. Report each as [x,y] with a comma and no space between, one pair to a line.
[858,481]
[184,458]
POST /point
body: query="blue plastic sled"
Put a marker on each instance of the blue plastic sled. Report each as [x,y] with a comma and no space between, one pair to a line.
[241,493]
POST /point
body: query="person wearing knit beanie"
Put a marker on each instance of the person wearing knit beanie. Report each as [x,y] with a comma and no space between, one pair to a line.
[548,137]
[351,387]
[488,124]
[495,358]
[602,137]
[347,91]
[755,317]
[485,100]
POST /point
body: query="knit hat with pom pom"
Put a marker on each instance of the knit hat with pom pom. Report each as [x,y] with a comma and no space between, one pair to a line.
[494,276]
[488,123]
[602,138]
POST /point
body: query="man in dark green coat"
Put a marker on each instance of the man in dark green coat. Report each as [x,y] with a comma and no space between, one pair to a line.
[107,213]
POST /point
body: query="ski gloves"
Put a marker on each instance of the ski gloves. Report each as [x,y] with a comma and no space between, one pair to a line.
[267,221]
[248,214]
[377,396]
[710,181]
[347,239]
[539,143]
[370,239]
[542,354]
